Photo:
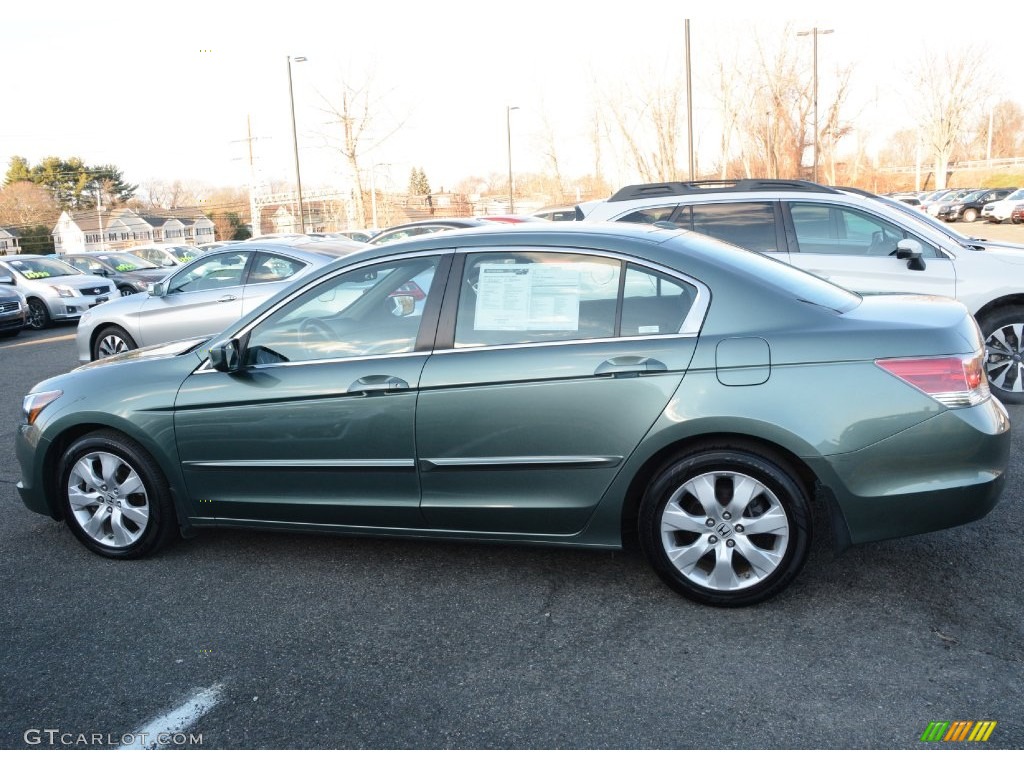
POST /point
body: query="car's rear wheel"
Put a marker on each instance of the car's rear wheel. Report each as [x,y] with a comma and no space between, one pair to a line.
[38,315]
[112,341]
[1004,353]
[114,497]
[970,215]
[726,527]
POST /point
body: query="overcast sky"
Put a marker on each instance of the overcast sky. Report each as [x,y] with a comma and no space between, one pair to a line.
[164,91]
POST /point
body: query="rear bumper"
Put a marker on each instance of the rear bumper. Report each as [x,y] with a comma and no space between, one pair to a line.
[944,472]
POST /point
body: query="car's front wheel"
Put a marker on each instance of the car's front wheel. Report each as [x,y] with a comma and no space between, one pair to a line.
[112,341]
[38,315]
[1003,330]
[114,496]
[726,527]
[970,215]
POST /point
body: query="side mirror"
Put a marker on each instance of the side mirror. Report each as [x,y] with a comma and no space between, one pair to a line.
[911,251]
[401,306]
[225,356]
[158,289]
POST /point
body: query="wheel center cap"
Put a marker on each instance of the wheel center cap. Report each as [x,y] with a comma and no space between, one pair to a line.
[724,530]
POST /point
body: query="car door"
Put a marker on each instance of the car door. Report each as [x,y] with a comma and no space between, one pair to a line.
[857,250]
[317,427]
[555,365]
[201,298]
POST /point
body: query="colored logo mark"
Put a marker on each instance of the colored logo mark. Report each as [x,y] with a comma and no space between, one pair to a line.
[959,730]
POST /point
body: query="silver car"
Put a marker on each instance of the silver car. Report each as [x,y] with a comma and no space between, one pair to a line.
[55,291]
[202,297]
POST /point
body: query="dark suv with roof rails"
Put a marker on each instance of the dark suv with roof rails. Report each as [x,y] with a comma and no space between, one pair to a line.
[856,239]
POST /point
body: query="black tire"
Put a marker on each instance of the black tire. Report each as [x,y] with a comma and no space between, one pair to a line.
[693,553]
[970,215]
[112,341]
[114,497]
[38,315]
[127,291]
[1003,332]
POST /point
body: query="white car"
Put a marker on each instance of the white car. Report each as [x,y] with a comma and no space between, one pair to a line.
[1000,210]
[167,255]
[53,290]
[863,242]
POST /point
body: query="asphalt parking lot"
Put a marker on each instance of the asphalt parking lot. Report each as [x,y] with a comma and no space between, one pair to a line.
[287,641]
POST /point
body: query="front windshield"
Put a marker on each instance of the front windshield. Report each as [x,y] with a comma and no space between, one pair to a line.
[923,218]
[124,262]
[1018,195]
[43,267]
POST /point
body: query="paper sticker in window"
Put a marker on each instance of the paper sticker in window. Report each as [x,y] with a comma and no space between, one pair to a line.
[528,297]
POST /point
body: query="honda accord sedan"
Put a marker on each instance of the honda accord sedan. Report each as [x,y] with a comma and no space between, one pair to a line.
[567,385]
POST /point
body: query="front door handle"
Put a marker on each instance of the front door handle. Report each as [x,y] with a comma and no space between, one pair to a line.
[380,383]
[630,365]
[227,297]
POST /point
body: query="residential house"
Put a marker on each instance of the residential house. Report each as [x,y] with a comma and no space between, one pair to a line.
[124,228]
[8,243]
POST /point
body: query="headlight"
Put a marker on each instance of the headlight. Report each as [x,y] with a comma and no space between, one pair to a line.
[63,291]
[34,403]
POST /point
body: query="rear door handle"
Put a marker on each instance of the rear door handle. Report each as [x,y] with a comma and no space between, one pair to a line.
[227,297]
[630,365]
[380,383]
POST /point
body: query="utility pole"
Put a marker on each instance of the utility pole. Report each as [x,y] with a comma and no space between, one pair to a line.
[814,33]
[689,104]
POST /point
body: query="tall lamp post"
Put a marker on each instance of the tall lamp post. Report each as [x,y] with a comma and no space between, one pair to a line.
[508,133]
[295,145]
[814,33]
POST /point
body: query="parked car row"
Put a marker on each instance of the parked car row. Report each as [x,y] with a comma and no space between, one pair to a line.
[992,204]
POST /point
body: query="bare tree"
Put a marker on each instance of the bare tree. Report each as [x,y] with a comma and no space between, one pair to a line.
[549,151]
[948,90]
[365,125]
[24,204]
[834,128]
[647,116]
[169,194]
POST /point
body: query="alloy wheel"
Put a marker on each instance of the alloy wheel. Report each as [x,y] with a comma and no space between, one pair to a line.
[724,531]
[108,499]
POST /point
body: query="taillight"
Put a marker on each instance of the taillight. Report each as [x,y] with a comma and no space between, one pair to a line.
[953,381]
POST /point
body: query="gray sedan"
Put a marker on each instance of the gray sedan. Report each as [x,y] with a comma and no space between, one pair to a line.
[202,297]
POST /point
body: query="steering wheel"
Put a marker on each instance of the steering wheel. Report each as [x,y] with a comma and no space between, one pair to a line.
[313,330]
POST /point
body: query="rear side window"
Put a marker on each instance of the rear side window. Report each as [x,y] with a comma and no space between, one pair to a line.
[532,297]
[749,225]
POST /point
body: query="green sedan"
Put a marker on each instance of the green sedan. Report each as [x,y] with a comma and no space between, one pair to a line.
[565,384]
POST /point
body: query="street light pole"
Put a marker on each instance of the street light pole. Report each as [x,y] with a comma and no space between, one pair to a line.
[814,33]
[295,145]
[508,132]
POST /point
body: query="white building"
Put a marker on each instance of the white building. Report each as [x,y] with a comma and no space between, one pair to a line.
[125,228]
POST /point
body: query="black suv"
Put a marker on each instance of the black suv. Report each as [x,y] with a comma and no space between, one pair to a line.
[969,208]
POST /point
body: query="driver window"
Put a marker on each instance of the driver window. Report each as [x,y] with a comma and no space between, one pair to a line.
[842,231]
[215,273]
[369,310]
